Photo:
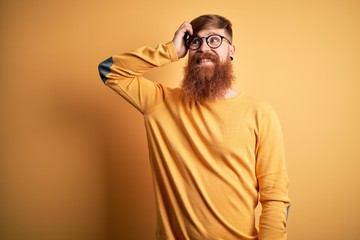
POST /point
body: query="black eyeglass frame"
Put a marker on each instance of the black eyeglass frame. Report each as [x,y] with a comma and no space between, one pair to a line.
[190,39]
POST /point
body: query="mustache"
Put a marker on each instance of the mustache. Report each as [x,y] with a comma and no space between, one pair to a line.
[206,55]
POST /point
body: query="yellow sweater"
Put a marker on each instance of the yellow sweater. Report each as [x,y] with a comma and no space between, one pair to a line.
[209,161]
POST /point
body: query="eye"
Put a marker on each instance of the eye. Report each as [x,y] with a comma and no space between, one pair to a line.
[214,40]
[196,41]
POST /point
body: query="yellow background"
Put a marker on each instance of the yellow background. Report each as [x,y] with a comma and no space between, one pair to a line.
[73,153]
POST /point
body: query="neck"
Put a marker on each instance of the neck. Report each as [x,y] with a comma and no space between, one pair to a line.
[231,93]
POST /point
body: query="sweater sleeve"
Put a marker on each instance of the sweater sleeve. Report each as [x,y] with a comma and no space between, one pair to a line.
[123,73]
[272,177]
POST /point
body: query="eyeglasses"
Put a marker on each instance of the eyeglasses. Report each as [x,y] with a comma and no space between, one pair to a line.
[213,41]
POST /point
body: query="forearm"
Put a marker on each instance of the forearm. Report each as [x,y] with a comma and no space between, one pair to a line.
[272,224]
[136,63]
[273,219]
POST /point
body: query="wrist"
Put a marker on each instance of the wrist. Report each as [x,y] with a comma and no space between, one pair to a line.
[173,53]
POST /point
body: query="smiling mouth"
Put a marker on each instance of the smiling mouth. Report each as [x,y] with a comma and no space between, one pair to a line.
[204,60]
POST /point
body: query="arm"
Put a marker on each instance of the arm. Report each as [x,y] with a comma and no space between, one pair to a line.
[272,178]
[123,73]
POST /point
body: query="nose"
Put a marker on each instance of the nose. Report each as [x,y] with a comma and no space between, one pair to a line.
[204,47]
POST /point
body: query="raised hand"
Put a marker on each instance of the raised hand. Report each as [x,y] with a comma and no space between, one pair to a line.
[179,38]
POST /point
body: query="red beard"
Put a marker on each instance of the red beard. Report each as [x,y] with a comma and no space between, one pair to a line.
[206,83]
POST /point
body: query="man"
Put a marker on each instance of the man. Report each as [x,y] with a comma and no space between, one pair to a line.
[212,149]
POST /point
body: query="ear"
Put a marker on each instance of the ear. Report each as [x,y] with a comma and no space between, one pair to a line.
[232,50]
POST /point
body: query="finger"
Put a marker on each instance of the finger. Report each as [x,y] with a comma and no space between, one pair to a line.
[187,28]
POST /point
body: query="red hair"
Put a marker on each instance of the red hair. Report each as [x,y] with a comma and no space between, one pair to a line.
[212,20]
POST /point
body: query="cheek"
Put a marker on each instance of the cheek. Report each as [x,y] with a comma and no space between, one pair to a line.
[190,55]
[223,56]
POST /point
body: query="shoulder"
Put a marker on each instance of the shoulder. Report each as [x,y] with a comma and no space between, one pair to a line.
[256,104]
[171,92]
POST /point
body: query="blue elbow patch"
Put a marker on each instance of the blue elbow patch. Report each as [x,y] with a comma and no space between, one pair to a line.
[287,212]
[104,68]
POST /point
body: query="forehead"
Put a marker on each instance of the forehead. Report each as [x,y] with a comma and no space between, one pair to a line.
[208,31]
